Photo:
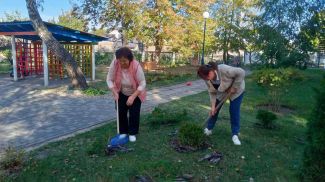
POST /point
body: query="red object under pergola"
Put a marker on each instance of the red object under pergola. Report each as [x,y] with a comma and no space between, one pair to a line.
[30,55]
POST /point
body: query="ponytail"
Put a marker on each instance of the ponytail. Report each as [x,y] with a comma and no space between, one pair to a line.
[213,65]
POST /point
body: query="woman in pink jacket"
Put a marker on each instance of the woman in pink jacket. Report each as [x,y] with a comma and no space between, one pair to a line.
[223,80]
[126,80]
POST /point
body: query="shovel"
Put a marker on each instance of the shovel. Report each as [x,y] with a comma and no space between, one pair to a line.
[223,100]
[118,139]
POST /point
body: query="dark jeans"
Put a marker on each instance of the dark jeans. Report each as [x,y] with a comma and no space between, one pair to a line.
[129,125]
[234,111]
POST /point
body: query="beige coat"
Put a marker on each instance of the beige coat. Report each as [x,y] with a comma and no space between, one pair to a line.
[227,75]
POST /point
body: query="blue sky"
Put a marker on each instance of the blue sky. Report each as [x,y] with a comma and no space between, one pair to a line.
[51,8]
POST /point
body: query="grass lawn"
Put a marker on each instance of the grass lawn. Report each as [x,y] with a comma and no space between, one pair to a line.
[154,78]
[265,155]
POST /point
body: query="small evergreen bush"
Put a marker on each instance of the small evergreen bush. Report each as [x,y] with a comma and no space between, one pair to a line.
[192,135]
[266,119]
[314,155]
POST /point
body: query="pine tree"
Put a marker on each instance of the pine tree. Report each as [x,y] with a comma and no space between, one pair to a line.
[314,156]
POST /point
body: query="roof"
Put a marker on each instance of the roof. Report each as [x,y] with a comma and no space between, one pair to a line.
[25,30]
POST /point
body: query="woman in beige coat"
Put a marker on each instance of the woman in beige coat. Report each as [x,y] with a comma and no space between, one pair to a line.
[222,80]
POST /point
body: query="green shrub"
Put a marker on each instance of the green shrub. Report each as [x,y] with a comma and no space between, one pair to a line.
[160,117]
[298,59]
[91,91]
[192,135]
[314,155]
[104,58]
[277,77]
[293,74]
[275,81]
[266,119]
[7,54]
[166,59]
[13,159]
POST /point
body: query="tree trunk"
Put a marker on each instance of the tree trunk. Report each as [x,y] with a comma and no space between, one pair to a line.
[158,49]
[124,38]
[244,57]
[250,57]
[75,73]
[224,56]
[318,59]
[225,47]
[124,41]
[239,59]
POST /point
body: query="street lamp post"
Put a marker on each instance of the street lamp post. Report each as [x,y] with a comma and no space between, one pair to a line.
[205,16]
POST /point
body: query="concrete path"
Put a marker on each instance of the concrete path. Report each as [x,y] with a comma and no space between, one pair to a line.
[31,115]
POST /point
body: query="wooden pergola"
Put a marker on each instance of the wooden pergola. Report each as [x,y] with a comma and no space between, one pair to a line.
[31,56]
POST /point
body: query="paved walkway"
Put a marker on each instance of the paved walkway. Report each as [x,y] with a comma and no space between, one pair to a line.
[31,115]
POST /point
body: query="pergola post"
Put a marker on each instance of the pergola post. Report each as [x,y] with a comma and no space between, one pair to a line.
[14,58]
[93,62]
[174,58]
[45,65]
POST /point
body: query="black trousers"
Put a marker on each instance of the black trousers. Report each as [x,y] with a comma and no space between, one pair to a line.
[129,125]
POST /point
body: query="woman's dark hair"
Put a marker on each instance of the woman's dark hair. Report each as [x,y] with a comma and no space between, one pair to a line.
[124,52]
[204,70]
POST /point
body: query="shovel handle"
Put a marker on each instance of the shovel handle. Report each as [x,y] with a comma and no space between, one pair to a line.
[117,118]
[227,96]
[223,100]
